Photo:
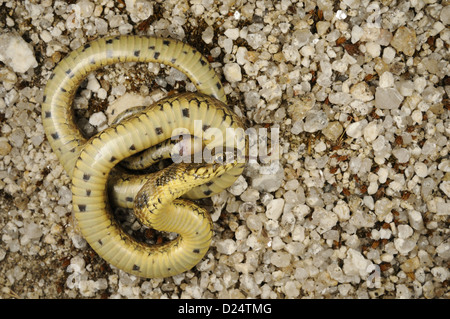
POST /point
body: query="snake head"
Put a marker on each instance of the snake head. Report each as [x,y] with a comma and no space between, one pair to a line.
[206,172]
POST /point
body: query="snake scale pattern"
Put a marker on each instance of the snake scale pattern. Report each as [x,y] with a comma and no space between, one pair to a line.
[97,181]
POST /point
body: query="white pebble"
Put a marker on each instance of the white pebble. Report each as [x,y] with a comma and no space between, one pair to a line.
[208,35]
[227,246]
[98,119]
[275,208]
[421,169]
[371,132]
[232,72]
[388,54]
[16,53]
[355,129]
[93,83]
[404,231]
[402,154]
[440,273]
[374,49]
[386,80]
[404,246]
[232,33]
[445,187]
[415,219]
[387,98]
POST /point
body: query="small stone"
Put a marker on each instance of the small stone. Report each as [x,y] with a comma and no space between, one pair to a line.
[208,35]
[280,259]
[32,231]
[361,91]
[275,208]
[402,292]
[315,121]
[98,119]
[16,53]
[445,15]
[386,80]
[410,265]
[388,55]
[254,223]
[322,27]
[421,169]
[387,98]
[356,264]
[374,49]
[227,246]
[404,246]
[370,132]
[415,219]
[357,33]
[232,33]
[239,186]
[404,40]
[355,129]
[139,9]
[404,231]
[93,83]
[440,273]
[401,154]
[445,187]
[5,148]
[232,72]
[291,289]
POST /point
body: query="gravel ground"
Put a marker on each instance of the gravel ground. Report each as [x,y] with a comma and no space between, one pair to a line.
[358,205]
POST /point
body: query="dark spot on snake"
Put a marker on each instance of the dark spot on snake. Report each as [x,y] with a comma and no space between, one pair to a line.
[86,46]
[100,242]
[129,199]
[69,73]
[185,112]
[109,41]
[112,159]
[159,130]
[52,76]
[82,208]
[63,90]
[117,37]
[196,251]
[137,53]
[86,177]
[88,192]
[136,268]
[166,42]
[44,98]
[55,135]
[219,86]
[173,60]
[132,147]
[205,127]
[203,62]
[48,114]
[184,52]
[156,55]
[209,183]
[207,192]
[152,47]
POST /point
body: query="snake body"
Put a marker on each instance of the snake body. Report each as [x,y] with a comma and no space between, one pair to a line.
[96,181]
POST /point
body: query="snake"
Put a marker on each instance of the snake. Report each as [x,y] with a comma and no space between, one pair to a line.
[162,200]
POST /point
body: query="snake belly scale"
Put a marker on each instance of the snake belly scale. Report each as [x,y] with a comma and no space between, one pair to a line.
[92,163]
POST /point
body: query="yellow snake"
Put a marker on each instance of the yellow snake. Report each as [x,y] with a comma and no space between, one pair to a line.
[97,181]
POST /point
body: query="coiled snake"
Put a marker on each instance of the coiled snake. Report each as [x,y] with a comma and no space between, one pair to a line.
[97,181]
